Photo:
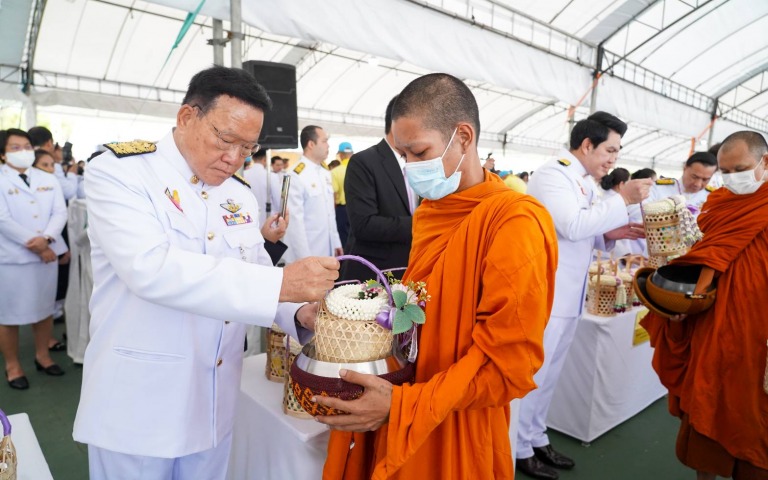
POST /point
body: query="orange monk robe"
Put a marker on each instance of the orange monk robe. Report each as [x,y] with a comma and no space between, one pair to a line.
[713,363]
[488,256]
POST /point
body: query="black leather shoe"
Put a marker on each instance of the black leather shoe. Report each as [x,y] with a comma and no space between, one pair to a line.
[19,383]
[553,458]
[53,370]
[533,467]
[58,347]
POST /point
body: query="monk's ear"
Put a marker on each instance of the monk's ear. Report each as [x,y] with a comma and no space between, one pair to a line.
[465,135]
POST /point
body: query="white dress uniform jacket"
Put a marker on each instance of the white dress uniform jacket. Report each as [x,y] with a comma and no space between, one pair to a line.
[174,264]
[312,231]
[257,178]
[68,182]
[29,211]
[570,196]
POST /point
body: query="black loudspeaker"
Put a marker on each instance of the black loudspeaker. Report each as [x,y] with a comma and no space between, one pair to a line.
[281,125]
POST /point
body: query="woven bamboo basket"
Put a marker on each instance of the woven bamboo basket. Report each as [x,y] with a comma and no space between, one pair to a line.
[657,261]
[8,460]
[291,406]
[606,293]
[664,232]
[347,341]
[627,277]
[276,367]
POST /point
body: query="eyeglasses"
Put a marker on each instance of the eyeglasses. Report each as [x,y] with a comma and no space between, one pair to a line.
[18,148]
[227,142]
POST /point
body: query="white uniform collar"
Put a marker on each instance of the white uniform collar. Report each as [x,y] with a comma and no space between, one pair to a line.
[310,163]
[168,149]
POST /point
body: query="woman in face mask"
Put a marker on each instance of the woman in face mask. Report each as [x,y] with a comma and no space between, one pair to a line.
[32,215]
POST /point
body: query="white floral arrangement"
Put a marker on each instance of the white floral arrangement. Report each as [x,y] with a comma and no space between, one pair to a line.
[358,302]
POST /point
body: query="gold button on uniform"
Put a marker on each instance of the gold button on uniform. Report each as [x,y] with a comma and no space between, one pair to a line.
[194,179]
[204,195]
[218,364]
[210,235]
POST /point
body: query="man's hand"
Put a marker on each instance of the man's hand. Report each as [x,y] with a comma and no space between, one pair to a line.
[337,252]
[65,258]
[367,413]
[307,314]
[308,279]
[678,318]
[490,164]
[274,228]
[48,256]
[635,191]
[631,231]
[37,245]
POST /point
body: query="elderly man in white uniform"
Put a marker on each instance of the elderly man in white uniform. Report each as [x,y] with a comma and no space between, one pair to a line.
[567,188]
[310,201]
[693,184]
[176,252]
[32,215]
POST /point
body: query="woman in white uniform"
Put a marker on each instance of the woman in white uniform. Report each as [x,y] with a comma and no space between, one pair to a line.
[611,184]
[32,215]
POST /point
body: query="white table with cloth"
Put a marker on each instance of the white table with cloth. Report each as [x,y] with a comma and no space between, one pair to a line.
[78,316]
[607,377]
[269,445]
[31,462]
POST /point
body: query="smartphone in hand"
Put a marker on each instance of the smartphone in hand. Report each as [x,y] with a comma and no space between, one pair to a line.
[284,195]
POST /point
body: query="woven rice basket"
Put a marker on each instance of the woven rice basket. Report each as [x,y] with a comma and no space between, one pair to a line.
[8,459]
[657,261]
[664,233]
[291,406]
[347,341]
[276,368]
[602,289]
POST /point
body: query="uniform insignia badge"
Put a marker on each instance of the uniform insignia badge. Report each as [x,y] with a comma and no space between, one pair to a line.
[237,219]
[44,189]
[241,180]
[299,168]
[231,206]
[564,162]
[127,149]
[325,166]
[710,188]
[665,181]
[174,197]
[13,191]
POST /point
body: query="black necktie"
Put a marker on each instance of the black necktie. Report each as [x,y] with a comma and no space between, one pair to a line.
[25,178]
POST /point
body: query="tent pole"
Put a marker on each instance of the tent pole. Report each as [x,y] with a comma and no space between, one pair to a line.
[236,20]
[218,42]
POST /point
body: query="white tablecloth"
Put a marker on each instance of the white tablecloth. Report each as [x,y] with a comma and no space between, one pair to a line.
[267,444]
[32,464]
[606,379]
[80,287]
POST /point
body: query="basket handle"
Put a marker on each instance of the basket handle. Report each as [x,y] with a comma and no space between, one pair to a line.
[6,424]
[379,274]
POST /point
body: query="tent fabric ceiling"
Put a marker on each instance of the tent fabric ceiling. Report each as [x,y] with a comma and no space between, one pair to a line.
[526,61]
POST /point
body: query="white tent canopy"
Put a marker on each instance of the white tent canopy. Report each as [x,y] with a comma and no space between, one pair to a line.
[665,66]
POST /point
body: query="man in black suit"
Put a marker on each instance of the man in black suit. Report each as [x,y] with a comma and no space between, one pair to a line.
[379,206]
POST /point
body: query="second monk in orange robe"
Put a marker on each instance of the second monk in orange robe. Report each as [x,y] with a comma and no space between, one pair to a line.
[488,256]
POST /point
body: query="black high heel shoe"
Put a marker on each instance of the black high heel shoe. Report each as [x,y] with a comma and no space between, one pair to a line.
[18,383]
[53,370]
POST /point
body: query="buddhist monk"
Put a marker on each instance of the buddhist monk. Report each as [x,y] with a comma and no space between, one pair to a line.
[488,256]
[714,362]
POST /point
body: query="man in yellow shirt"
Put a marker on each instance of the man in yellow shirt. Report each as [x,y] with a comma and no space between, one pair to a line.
[337,179]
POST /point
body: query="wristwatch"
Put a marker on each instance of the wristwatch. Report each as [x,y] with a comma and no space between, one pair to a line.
[49,239]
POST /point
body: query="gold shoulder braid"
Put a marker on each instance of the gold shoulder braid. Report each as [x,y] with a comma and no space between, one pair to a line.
[710,188]
[665,181]
[299,168]
[564,162]
[241,180]
[127,149]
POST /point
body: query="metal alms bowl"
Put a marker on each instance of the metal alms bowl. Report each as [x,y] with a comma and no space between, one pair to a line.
[677,278]
[306,362]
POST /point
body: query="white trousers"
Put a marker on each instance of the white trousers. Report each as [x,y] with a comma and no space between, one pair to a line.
[532,426]
[206,465]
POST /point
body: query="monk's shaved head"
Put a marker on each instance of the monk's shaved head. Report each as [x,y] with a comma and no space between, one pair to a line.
[441,101]
[755,143]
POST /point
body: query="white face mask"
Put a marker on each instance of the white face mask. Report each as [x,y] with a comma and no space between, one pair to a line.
[427,178]
[21,159]
[743,183]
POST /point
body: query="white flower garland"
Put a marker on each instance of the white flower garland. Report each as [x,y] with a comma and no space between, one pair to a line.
[343,301]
